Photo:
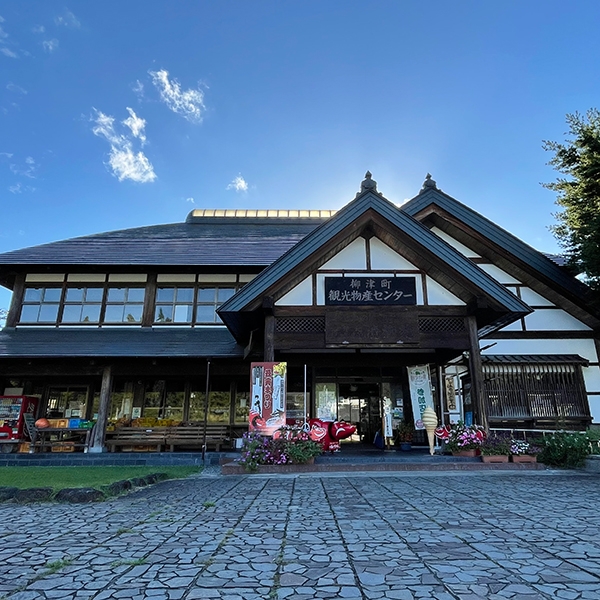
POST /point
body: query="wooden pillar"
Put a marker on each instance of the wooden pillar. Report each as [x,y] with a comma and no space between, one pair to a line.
[97,442]
[476,371]
[269,346]
[14,311]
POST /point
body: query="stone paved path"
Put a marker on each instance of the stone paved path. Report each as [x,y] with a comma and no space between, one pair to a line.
[356,537]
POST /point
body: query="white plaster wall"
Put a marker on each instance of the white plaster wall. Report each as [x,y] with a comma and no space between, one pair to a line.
[585,348]
[594,402]
[553,320]
[455,243]
[533,298]
[516,326]
[353,256]
[591,376]
[439,295]
[383,257]
[498,274]
[321,284]
[44,277]
[301,295]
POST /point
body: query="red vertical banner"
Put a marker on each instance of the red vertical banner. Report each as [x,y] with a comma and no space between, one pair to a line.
[268,392]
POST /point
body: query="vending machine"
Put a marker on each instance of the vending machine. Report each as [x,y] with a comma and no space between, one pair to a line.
[12,420]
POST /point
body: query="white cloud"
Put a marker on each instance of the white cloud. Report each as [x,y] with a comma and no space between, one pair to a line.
[68,19]
[191,200]
[1,19]
[13,87]
[136,124]
[239,184]
[26,171]
[8,52]
[123,160]
[138,88]
[38,29]
[187,103]
[50,45]
[19,188]
[3,34]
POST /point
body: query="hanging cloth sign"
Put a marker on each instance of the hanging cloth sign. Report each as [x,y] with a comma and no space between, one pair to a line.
[268,388]
[421,395]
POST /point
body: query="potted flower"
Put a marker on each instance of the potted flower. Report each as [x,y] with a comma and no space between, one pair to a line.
[522,451]
[404,436]
[465,440]
[495,449]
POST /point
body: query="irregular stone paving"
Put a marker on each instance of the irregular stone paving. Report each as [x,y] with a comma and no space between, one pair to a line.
[462,536]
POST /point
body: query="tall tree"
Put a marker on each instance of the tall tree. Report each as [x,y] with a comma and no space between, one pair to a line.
[578,229]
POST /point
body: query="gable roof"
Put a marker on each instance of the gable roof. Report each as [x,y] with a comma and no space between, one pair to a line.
[536,262]
[249,297]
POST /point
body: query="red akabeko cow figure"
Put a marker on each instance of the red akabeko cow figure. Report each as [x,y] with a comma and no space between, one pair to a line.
[329,433]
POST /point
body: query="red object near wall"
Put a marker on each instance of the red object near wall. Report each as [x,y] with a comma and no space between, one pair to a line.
[12,411]
[329,433]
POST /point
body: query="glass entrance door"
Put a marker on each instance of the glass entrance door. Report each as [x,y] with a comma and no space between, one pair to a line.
[360,404]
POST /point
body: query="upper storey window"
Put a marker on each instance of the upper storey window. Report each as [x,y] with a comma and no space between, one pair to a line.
[74,305]
[124,305]
[41,305]
[187,305]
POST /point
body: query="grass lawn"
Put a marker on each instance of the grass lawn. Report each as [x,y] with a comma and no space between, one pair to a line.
[71,477]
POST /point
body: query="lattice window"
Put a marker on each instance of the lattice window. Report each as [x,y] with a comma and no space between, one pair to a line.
[535,391]
[300,325]
[441,324]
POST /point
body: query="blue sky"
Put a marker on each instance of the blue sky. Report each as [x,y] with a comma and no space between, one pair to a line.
[131,113]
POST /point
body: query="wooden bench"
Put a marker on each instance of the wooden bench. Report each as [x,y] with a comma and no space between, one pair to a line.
[139,439]
[193,436]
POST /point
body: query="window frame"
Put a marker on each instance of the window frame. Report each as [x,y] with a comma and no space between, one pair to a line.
[63,303]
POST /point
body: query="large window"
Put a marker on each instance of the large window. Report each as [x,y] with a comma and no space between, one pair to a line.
[186,305]
[124,305]
[174,305]
[79,305]
[82,305]
[41,304]
[209,299]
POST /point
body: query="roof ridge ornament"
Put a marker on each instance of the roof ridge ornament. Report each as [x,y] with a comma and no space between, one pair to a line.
[429,184]
[368,184]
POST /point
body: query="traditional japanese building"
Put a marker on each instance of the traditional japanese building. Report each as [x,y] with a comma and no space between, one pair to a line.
[136,323]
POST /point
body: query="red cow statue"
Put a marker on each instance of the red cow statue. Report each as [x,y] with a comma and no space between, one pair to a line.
[329,433]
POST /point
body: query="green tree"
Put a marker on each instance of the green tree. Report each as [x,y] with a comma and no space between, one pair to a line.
[578,228]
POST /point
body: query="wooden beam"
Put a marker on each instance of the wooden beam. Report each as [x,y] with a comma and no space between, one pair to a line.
[476,371]
[100,427]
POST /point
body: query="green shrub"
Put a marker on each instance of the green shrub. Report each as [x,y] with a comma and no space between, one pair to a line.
[565,449]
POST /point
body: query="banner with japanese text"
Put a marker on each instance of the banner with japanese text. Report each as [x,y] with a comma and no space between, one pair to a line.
[421,394]
[268,392]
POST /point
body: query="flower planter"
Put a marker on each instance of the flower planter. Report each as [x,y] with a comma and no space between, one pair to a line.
[405,446]
[467,453]
[494,458]
[523,458]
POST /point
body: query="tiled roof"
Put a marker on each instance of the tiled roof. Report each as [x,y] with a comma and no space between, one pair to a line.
[122,342]
[202,241]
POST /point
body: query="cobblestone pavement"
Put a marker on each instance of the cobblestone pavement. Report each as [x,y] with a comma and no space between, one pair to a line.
[355,536]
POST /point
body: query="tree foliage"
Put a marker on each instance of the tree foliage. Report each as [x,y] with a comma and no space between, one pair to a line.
[578,228]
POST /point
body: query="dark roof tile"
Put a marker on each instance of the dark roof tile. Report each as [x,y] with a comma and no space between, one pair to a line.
[121,342]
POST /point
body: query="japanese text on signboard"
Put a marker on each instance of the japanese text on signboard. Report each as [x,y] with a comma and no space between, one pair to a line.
[370,291]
